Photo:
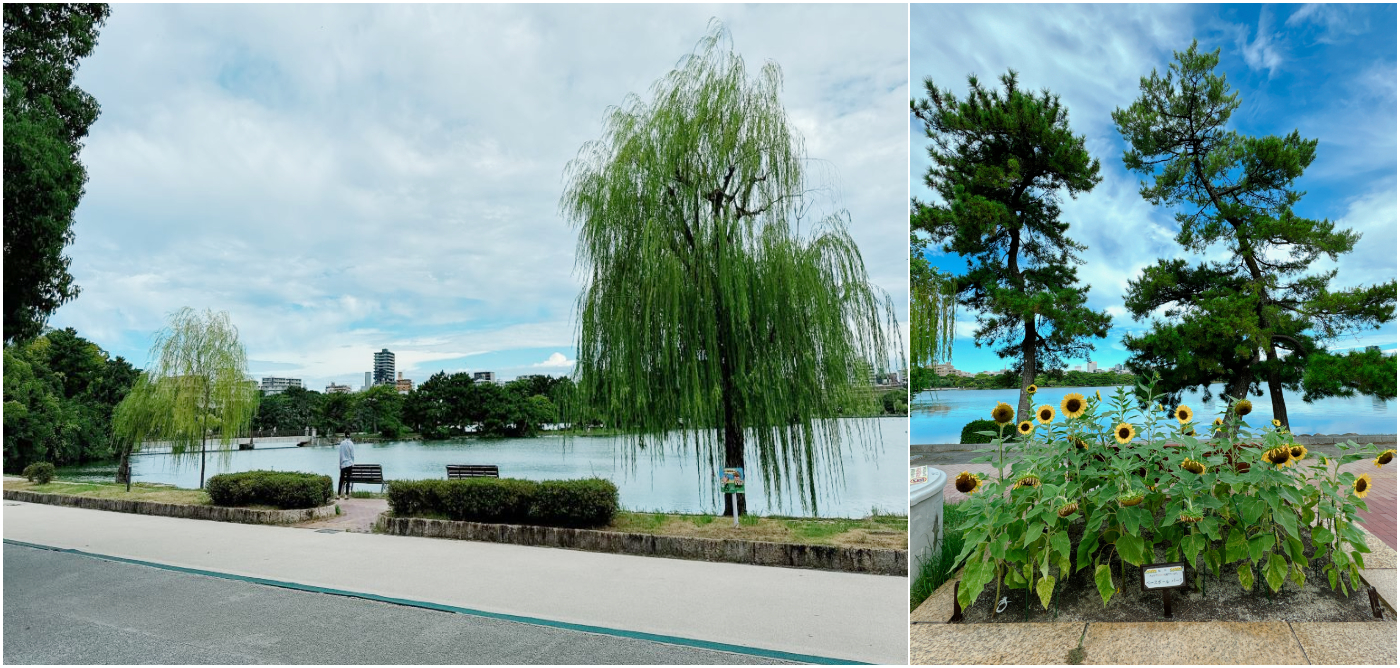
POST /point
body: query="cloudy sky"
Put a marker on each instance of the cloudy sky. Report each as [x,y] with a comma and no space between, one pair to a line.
[348,178]
[1328,71]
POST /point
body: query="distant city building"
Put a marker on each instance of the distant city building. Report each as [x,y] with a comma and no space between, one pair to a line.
[403,385]
[484,376]
[1093,366]
[1119,368]
[369,380]
[273,385]
[1078,367]
[337,389]
[944,369]
[383,367]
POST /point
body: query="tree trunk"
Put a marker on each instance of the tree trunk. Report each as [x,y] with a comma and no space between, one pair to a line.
[1028,370]
[124,468]
[1276,387]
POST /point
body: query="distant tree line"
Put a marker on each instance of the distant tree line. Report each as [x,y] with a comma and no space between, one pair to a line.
[925,379]
[60,390]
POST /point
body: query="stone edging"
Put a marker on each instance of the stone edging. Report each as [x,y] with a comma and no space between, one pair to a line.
[875,561]
[215,513]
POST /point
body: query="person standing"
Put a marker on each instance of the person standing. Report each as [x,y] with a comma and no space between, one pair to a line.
[347,459]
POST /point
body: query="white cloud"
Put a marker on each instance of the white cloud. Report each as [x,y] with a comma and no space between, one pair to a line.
[1263,52]
[557,360]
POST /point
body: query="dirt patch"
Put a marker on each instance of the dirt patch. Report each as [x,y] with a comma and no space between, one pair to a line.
[1224,600]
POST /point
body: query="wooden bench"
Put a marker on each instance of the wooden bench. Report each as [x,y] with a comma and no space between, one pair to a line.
[463,471]
[368,473]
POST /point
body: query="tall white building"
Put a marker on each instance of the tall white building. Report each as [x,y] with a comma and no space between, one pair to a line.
[369,380]
[384,367]
[1093,366]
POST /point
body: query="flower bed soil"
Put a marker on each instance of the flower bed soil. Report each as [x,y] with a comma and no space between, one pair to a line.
[1224,599]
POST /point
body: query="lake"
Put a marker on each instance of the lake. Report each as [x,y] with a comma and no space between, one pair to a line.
[875,474]
[939,417]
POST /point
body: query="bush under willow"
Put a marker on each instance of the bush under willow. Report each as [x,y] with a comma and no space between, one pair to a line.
[196,383]
[705,307]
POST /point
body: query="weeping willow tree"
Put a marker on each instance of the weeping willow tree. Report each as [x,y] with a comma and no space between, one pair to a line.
[704,307]
[195,383]
[932,299]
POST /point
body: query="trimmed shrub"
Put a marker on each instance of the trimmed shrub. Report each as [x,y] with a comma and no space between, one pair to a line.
[970,435]
[571,503]
[40,472]
[574,503]
[280,489]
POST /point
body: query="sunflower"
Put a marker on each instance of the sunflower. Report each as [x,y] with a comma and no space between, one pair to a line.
[1031,389]
[1243,407]
[1025,427]
[967,483]
[1067,509]
[1045,414]
[1124,432]
[1277,423]
[1385,458]
[1097,395]
[1129,499]
[1073,405]
[1183,414]
[1361,486]
[1217,422]
[1279,456]
[1189,431]
[1029,480]
[1190,516]
[1003,414]
[1193,466]
[1084,445]
[1298,452]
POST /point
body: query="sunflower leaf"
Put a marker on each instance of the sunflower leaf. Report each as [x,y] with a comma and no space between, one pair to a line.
[1208,527]
[1060,541]
[1321,536]
[1213,561]
[1235,547]
[1355,577]
[1082,554]
[1295,550]
[1103,579]
[1288,521]
[1190,547]
[1332,577]
[1275,571]
[1251,510]
[1356,557]
[1131,548]
[1258,545]
[1246,572]
[1129,517]
[1291,495]
[1296,574]
[1033,532]
[1045,588]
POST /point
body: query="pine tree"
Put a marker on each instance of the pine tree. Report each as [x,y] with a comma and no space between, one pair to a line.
[1235,192]
[1001,160]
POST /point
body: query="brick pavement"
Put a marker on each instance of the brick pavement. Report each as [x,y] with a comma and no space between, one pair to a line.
[1379,518]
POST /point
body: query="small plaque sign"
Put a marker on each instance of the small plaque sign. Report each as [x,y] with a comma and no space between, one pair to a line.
[731,481]
[918,474]
[1164,576]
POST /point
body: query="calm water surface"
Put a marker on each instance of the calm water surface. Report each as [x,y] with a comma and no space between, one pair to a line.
[875,474]
[938,417]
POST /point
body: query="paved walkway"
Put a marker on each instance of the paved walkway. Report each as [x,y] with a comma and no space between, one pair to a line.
[355,515]
[824,614]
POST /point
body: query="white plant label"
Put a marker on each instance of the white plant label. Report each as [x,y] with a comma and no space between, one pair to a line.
[1161,577]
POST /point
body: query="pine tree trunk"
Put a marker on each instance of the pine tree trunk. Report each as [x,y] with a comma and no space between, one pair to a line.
[1028,370]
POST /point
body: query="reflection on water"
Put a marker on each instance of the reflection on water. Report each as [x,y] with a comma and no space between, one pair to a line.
[939,416]
[874,475]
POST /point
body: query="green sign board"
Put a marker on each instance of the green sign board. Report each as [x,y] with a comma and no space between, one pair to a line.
[731,481]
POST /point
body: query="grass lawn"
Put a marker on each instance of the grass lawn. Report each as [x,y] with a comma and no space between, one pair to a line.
[139,491]
[879,531]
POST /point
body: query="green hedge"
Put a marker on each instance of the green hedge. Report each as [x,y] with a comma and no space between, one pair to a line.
[571,503]
[40,472]
[282,489]
[970,435]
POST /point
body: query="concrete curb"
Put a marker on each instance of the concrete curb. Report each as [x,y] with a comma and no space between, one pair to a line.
[1301,439]
[819,557]
[214,513]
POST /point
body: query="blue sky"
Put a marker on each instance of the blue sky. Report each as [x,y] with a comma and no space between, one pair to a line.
[343,179]
[1328,71]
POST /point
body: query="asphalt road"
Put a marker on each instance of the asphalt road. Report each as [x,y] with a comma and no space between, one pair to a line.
[76,609]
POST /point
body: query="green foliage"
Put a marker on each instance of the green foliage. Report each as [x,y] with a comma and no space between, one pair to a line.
[282,489]
[1001,159]
[60,390]
[938,567]
[574,503]
[447,404]
[1011,380]
[895,402]
[1230,509]
[932,301]
[197,384]
[40,472]
[1236,193]
[970,431]
[294,409]
[46,119]
[704,305]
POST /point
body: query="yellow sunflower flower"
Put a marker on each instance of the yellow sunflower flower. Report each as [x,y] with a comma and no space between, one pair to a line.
[1031,389]
[1362,486]
[1384,458]
[1298,452]
[1217,422]
[967,483]
[1029,480]
[1189,431]
[1097,395]
[1067,509]
[1025,427]
[1073,405]
[1277,423]
[1183,414]
[1243,407]
[1193,466]
[1045,414]
[1278,456]
[1003,414]
[1124,433]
